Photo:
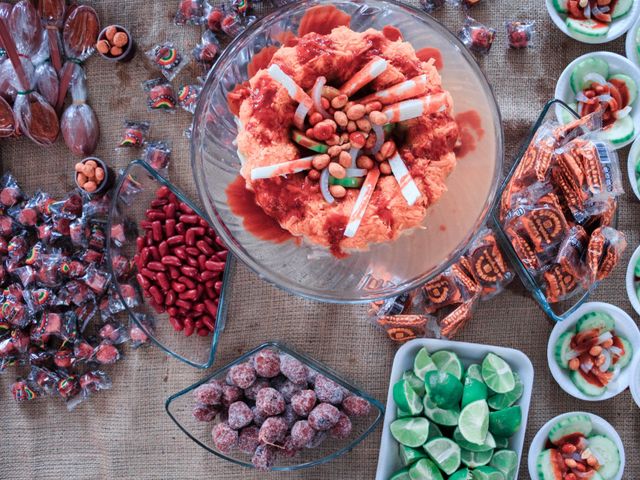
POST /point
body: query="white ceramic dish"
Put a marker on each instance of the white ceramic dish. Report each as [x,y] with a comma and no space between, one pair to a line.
[630,45]
[634,384]
[618,27]
[625,326]
[632,159]
[388,459]
[600,426]
[617,64]
[630,281]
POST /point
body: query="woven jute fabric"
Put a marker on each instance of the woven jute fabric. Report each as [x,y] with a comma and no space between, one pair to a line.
[125,433]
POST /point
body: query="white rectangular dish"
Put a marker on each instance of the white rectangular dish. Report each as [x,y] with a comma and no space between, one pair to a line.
[389,459]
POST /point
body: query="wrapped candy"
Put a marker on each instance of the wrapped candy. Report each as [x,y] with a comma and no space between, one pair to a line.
[167,58]
[431,5]
[157,155]
[520,33]
[7,121]
[160,95]
[52,13]
[47,81]
[188,97]
[134,133]
[214,15]
[190,12]
[233,24]
[207,50]
[79,123]
[476,36]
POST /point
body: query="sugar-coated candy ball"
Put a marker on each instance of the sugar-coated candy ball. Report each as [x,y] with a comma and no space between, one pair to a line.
[230,394]
[293,369]
[328,391]
[324,416]
[242,375]
[224,437]
[264,457]
[318,438]
[342,429]
[270,402]
[253,390]
[267,363]
[288,449]
[273,430]
[208,393]
[258,416]
[205,413]
[289,415]
[302,433]
[355,406]
[303,402]
[288,389]
[239,415]
[248,439]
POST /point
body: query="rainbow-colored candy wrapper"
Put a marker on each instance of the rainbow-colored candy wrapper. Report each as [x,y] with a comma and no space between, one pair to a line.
[167,58]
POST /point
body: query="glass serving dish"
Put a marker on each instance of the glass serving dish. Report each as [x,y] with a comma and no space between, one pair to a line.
[560,310]
[180,406]
[386,269]
[128,207]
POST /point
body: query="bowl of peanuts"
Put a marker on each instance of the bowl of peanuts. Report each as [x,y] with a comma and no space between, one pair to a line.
[93,176]
[115,43]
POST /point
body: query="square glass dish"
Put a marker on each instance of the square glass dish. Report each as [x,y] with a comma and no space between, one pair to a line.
[560,310]
[135,191]
[389,460]
[180,407]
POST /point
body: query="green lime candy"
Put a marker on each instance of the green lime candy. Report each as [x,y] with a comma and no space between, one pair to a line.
[434,432]
[402,474]
[406,397]
[507,462]
[497,374]
[410,455]
[443,388]
[441,416]
[474,422]
[474,371]
[487,473]
[501,442]
[445,453]
[500,401]
[306,142]
[464,474]
[473,390]
[423,363]
[506,422]
[475,459]
[412,431]
[488,444]
[414,381]
[347,182]
[449,362]
[424,469]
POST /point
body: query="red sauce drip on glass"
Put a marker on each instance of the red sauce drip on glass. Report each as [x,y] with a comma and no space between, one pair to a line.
[236,96]
[242,203]
[427,53]
[322,19]
[392,33]
[261,60]
[335,226]
[471,132]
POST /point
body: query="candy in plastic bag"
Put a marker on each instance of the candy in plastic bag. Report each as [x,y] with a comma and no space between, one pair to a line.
[402,328]
[207,50]
[487,264]
[190,12]
[47,81]
[134,133]
[167,58]
[157,155]
[160,95]
[79,123]
[604,250]
[520,33]
[476,36]
[214,16]
[188,97]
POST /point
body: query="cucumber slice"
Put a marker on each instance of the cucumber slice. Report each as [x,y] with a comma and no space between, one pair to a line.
[568,426]
[632,86]
[592,320]
[622,8]
[606,452]
[588,28]
[563,349]
[625,359]
[584,386]
[347,182]
[546,466]
[590,65]
[619,131]
[561,6]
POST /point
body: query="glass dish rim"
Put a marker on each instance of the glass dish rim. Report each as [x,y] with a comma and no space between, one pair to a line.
[279,280]
[222,303]
[320,368]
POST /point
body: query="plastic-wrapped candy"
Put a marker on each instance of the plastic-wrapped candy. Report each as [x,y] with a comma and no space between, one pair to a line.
[52,13]
[25,27]
[157,155]
[241,6]
[134,133]
[476,36]
[7,120]
[190,12]
[207,50]
[233,24]
[79,123]
[47,81]
[160,95]
[520,33]
[431,5]
[213,16]
[21,391]
[167,58]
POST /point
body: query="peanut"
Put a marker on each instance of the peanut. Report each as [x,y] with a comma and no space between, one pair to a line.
[345,159]
[334,150]
[595,351]
[364,125]
[607,343]
[115,51]
[320,162]
[388,149]
[338,191]
[337,171]
[378,118]
[330,92]
[351,126]
[365,162]
[325,129]
[570,462]
[357,139]
[356,112]
[385,168]
[339,101]
[341,118]
[373,106]
[574,364]
[313,175]
[334,140]
[315,118]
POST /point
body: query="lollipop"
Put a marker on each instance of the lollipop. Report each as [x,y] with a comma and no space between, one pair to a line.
[52,14]
[47,82]
[79,124]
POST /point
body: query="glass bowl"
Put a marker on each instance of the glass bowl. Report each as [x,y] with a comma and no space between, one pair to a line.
[385,269]
[180,406]
[134,192]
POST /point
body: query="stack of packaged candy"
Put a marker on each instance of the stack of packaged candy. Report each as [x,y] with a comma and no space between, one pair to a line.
[33,80]
[445,304]
[559,206]
[58,308]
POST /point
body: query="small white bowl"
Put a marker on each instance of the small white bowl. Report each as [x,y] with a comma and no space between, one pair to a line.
[632,159]
[631,288]
[625,326]
[388,459]
[630,45]
[634,384]
[600,426]
[617,64]
[618,27]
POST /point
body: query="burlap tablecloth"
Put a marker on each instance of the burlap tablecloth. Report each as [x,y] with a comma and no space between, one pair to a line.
[125,433]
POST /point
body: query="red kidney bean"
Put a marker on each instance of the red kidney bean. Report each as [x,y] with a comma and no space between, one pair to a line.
[159,202]
[163,248]
[155,253]
[208,322]
[148,273]
[199,324]
[176,323]
[204,223]
[193,251]
[148,237]
[222,255]
[163,281]
[170,210]
[178,287]
[170,298]
[145,253]
[190,219]
[190,237]
[181,228]
[214,266]
[184,208]
[188,327]
[171,260]
[199,308]
[156,266]
[217,287]
[192,262]
[220,242]
[200,289]
[209,241]
[153,215]
[212,308]
[142,280]
[138,261]
[156,307]
[203,332]
[156,230]
[170,227]
[209,275]
[139,243]
[187,281]
[202,259]
[211,294]
[183,304]
[174,273]
[205,248]
[163,192]
[146,224]
[180,252]
[189,295]
[188,271]
[175,240]
[156,294]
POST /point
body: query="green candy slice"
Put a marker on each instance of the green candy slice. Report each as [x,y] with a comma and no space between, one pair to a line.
[347,182]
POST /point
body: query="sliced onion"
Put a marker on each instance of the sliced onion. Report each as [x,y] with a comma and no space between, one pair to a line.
[604,337]
[616,351]
[576,456]
[581,97]
[604,9]
[582,474]
[379,131]
[316,96]
[571,354]
[587,11]
[354,152]
[623,112]
[595,77]
[356,172]
[324,186]
[607,361]
[586,367]
[604,98]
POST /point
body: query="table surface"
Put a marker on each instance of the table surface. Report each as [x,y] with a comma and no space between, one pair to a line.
[125,433]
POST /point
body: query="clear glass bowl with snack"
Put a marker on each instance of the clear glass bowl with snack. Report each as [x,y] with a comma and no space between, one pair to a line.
[170,269]
[342,158]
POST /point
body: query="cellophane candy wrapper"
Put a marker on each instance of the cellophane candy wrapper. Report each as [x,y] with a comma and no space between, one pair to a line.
[158,155]
[134,133]
[207,50]
[26,28]
[80,33]
[160,95]
[140,335]
[79,123]
[476,36]
[47,81]
[188,97]
[520,33]
[190,12]
[432,5]
[167,58]
[214,14]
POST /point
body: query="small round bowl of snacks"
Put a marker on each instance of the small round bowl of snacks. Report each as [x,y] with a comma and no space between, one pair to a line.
[93,176]
[603,78]
[633,280]
[115,44]
[633,168]
[590,352]
[275,409]
[634,384]
[632,43]
[578,443]
[591,21]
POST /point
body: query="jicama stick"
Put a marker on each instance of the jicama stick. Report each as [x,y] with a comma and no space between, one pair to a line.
[401,91]
[284,168]
[295,92]
[408,187]
[398,112]
[362,202]
[365,75]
